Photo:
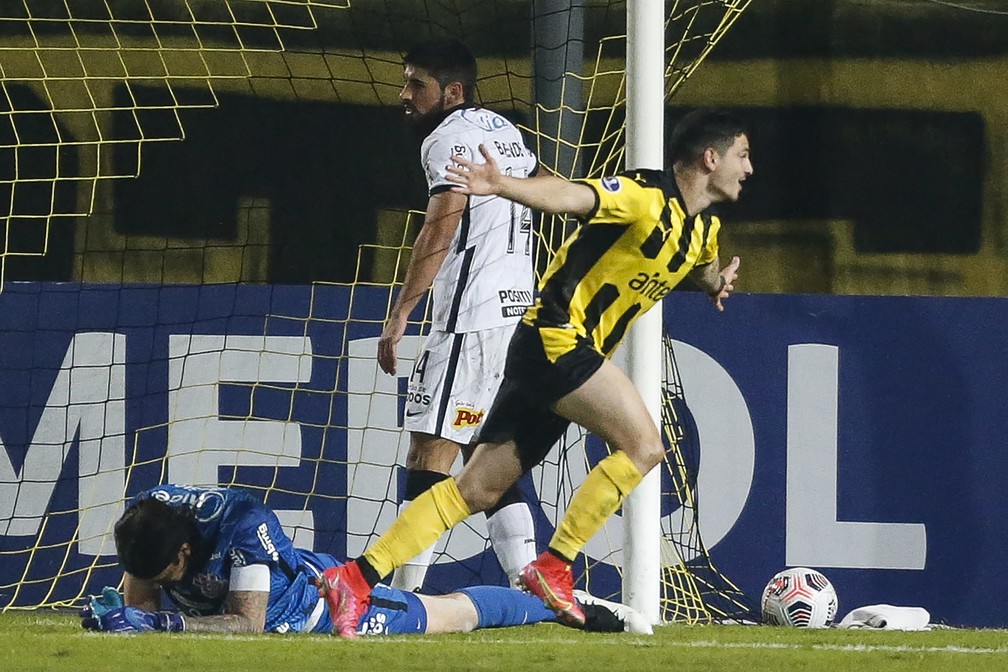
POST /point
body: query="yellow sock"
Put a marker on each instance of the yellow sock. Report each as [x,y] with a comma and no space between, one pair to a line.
[599,496]
[420,524]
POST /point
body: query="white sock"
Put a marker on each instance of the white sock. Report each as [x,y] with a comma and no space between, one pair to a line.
[512,533]
[410,576]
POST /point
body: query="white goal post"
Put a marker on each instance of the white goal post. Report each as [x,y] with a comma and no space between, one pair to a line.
[645,119]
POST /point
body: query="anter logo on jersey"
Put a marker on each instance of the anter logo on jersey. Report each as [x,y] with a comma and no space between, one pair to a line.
[467,417]
[651,286]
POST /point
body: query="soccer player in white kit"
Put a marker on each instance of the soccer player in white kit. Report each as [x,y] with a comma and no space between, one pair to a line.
[475,255]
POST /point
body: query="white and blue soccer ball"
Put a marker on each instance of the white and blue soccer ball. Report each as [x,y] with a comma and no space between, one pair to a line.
[799,598]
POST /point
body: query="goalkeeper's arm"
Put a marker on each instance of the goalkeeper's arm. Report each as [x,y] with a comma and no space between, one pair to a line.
[244,607]
[244,612]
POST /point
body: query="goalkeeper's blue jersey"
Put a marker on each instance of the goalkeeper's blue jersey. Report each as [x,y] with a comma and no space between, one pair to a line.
[240,531]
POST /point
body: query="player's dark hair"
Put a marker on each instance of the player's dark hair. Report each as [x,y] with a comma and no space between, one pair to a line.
[150,534]
[701,129]
[447,60]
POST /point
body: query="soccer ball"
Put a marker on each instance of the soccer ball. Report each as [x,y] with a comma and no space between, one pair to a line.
[800,598]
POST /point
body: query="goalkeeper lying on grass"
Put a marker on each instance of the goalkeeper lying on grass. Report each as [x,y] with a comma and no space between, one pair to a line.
[224,563]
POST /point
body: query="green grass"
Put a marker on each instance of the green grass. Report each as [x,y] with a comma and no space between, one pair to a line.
[49,640]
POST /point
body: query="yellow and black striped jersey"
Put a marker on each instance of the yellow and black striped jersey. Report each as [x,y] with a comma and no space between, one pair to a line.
[636,245]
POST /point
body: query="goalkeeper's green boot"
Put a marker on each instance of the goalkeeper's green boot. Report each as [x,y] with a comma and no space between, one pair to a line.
[549,578]
[348,594]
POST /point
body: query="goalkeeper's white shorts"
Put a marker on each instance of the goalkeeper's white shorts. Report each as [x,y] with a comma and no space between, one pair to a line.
[453,382]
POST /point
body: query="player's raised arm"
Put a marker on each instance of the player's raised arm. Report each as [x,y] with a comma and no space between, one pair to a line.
[548,193]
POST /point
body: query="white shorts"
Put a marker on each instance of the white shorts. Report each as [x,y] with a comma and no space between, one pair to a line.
[454,380]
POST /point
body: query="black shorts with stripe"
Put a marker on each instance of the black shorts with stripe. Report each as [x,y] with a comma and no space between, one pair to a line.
[522,410]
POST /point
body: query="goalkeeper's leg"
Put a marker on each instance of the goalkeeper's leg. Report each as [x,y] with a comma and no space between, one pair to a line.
[499,607]
[483,607]
[397,612]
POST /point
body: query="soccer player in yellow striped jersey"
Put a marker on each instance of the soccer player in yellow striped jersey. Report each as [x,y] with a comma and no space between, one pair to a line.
[641,233]
[631,252]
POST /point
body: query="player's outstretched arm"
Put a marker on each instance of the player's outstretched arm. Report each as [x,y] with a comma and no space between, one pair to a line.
[548,193]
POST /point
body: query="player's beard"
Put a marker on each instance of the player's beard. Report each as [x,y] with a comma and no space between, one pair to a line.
[424,124]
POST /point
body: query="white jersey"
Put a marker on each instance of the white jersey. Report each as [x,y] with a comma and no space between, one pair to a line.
[486,280]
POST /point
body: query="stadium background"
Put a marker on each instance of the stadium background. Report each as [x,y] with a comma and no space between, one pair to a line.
[892,118]
[880,145]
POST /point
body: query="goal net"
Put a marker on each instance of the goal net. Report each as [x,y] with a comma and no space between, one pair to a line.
[164,157]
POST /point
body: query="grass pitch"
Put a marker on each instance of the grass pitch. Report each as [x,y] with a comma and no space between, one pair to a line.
[50,640]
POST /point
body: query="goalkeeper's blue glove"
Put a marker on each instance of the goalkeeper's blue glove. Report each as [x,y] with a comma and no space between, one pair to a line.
[128,620]
[99,605]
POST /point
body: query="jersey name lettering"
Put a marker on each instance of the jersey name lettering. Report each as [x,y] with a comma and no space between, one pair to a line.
[512,150]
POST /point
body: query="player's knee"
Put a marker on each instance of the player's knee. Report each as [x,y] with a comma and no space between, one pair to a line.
[487,476]
[431,453]
[652,454]
[645,450]
[479,500]
[479,495]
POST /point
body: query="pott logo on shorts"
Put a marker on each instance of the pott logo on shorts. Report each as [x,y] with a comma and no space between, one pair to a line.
[467,417]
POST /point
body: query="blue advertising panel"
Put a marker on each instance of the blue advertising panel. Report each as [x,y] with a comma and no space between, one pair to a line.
[101,382]
[879,439]
[861,436]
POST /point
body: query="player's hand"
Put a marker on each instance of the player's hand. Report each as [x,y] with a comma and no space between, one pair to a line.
[475,178]
[99,605]
[131,620]
[388,358]
[728,274]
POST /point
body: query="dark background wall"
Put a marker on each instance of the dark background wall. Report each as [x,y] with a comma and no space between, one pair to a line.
[880,138]
[325,170]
